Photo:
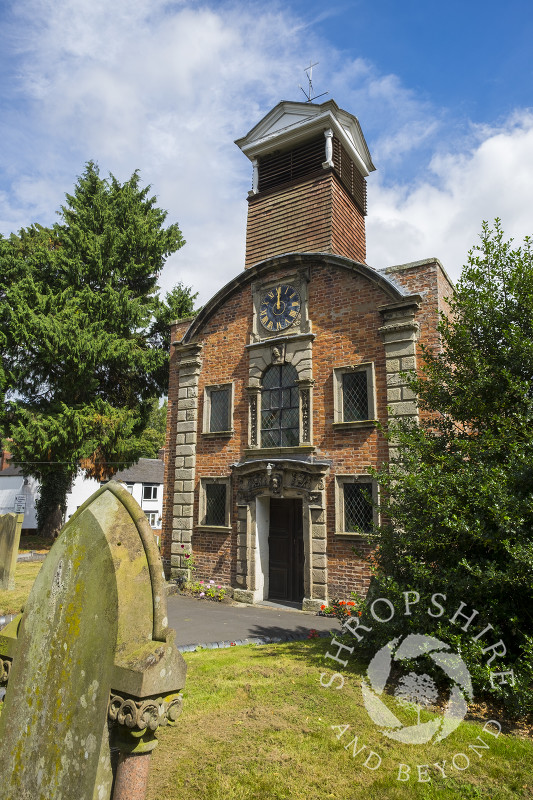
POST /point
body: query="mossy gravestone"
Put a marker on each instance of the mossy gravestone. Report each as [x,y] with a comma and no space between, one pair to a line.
[91,665]
[10,527]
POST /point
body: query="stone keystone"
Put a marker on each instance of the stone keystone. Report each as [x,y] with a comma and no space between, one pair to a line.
[91,666]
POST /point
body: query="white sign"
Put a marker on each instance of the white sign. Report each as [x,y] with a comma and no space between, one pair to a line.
[20,503]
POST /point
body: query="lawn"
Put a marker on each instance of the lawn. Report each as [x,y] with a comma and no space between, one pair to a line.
[257,724]
[25,573]
[13,600]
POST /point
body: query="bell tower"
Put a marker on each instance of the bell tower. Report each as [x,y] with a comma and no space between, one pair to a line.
[310,164]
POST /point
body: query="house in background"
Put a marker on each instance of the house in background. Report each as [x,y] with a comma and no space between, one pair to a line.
[144,480]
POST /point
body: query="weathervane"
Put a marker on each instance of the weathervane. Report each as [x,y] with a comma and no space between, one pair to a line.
[309,94]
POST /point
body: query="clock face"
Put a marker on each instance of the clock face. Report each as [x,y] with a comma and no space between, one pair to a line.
[279,307]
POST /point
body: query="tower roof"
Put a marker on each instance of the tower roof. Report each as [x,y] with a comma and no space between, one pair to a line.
[290,123]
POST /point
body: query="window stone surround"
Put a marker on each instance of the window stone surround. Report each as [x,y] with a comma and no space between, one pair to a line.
[206,427]
[340,527]
[368,368]
[201,525]
[295,349]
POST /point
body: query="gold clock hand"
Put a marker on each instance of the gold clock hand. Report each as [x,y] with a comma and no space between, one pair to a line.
[279,292]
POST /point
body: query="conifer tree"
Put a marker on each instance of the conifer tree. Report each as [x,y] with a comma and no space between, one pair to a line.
[85,349]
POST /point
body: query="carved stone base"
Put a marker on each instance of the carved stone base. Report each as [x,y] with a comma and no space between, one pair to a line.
[309,604]
[244,596]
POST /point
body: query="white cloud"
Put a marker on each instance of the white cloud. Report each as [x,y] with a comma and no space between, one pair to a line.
[166,87]
[442,214]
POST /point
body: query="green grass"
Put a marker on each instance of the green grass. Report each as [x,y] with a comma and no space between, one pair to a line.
[257,724]
[13,600]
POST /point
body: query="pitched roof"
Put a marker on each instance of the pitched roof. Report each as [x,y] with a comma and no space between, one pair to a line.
[146,470]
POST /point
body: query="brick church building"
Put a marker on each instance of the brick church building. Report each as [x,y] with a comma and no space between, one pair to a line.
[277,384]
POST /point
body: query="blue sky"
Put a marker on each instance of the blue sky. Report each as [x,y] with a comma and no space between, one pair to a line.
[443,93]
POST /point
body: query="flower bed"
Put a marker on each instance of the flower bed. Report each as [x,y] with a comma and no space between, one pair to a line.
[342,609]
[209,590]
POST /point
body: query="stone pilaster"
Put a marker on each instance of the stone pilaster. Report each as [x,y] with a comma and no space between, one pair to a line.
[254,403]
[185,462]
[316,579]
[400,333]
[244,592]
[306,414]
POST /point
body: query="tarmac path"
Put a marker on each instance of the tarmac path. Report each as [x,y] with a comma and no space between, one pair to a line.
[204,623]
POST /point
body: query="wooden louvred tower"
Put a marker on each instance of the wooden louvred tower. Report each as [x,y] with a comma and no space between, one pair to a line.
[309,189]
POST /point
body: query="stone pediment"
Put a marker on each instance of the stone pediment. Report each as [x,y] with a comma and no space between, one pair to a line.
[281,477]
[291,122]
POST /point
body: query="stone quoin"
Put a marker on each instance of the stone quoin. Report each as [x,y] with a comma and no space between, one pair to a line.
[276,386]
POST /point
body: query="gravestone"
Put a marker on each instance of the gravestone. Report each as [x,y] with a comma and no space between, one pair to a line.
[10,527]
[91,665]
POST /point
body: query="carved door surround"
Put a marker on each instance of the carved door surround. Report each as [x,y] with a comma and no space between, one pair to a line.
[263,478]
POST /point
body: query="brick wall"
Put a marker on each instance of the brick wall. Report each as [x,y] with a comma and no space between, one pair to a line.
[344,312]
[316,215]
[430,281]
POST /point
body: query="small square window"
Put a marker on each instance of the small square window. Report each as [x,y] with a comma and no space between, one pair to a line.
[354,397]
[356,499]
[358,511]
[218,409]
[150,491]
[219,412]
[214,502]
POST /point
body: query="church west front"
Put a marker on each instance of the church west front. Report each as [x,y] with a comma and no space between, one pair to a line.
[278,384]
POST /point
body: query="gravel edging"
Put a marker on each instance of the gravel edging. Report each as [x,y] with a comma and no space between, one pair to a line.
[257,640]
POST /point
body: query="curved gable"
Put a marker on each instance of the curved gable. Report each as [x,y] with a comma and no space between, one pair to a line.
[290,260]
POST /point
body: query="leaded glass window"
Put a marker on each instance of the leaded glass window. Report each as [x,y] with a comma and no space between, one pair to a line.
[219,410]
[215,504]
[358,510]
[280,416]
[354,396]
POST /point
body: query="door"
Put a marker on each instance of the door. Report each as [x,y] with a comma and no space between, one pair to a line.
[286,550]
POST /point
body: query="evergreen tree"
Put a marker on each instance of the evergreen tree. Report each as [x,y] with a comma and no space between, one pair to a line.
[458,503]
[153,436]
[85,350]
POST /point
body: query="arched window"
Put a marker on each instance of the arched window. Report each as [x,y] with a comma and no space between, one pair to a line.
[280,418]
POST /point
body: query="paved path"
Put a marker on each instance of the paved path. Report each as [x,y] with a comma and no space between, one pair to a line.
[210,624]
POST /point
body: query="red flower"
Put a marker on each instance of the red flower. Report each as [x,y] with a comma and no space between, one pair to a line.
[322,608]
